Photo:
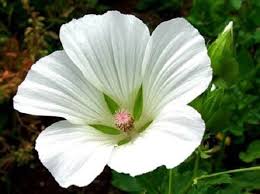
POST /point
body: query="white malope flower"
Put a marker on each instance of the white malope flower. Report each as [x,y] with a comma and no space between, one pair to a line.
[123,93]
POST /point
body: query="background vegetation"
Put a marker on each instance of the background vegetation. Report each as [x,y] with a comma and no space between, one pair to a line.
[29,30]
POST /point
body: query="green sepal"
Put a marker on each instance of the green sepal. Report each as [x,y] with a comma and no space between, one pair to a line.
[106,129]
[222,55]
[141,129]
[112,105]
[124,141]
[138,105]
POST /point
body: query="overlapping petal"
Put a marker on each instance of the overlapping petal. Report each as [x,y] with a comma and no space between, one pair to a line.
[55,87]
[169,140]
[176,65]
[74,154]
[109,50]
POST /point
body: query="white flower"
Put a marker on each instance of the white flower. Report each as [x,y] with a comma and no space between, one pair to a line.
[114,54]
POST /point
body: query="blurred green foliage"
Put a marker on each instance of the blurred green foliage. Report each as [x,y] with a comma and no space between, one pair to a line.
[252,153]
[230,106]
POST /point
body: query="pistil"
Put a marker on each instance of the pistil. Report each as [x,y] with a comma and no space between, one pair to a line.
[124,121]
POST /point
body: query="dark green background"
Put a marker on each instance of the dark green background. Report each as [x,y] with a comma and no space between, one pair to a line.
[29,30]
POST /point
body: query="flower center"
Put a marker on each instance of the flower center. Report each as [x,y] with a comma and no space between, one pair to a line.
[124,120]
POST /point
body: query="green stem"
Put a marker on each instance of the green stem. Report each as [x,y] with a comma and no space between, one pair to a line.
[196,164]
[195,172]
[170,182]
[195,180]
[221,153]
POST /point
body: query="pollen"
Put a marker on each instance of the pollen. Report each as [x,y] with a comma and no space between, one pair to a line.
[124,120]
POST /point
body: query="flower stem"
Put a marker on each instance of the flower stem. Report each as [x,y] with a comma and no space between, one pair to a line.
[195,180]
[196,164]
[195,172]
[170,182]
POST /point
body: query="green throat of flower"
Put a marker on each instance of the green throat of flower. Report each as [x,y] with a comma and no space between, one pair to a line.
[127,123]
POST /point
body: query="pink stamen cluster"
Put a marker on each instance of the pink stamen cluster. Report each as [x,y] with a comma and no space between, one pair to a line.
[124,120]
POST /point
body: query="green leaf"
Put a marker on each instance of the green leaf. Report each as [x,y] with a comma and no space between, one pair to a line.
[216,180]
[126,182]
[230,189]
[257,36]
[211,185]
[236,3]
[248,180]
[181,181]
[154,182]
[112,105]
[106,129]
[213,108]
[228,182]
[150,183]
[138,105]
[252,153]
[246,63]
[219,119]
[240,182]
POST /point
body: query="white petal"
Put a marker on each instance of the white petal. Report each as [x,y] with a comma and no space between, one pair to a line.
[55,87]
[74,154]
[169,140]
[176,65]
[109,50]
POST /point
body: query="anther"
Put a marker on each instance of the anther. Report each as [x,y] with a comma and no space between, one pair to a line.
[124,120]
